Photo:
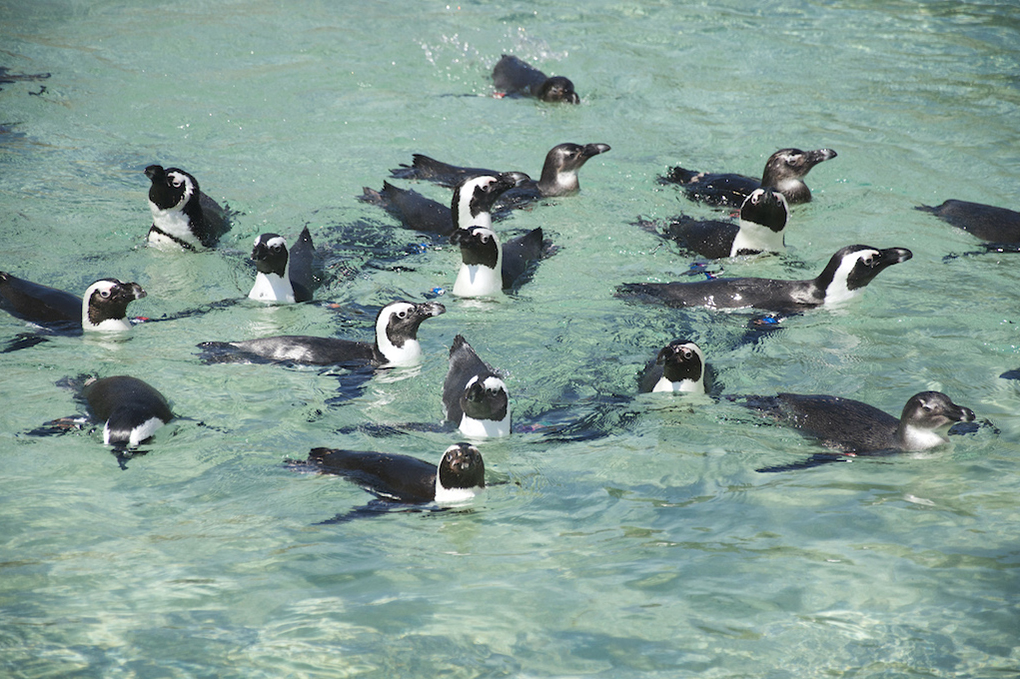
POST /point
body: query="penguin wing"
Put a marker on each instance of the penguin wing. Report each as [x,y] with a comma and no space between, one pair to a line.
[514,76]
[711,238]
[840,423]
[520,255]
[414,210]
[722,189]
[39,303]
[398,477]
[215,222]
[302,267]
[302,349]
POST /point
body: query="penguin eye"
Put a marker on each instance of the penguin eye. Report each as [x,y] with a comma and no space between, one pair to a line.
[401,314]
[105,294]
[686,353]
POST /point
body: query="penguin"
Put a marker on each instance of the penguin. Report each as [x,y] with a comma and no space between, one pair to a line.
[103,308]
[559,173]
[513,76]
[131,409]
[678,367]
[856,428]
[784,171]
[396,342]
[762,228]
[488,267]
[283,277]
[472,203]
[849,270]
[987,222]
[475,398]
[183,218]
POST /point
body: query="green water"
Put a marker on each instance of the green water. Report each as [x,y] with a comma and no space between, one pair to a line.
[655,551]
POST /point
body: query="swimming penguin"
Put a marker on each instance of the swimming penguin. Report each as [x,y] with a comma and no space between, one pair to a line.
[679,366]
[131,409]
[784,171]
[994,224]
[103,308]
[283,277]
[762,228]
[559,173]
[475,398]
[844,277]
[182,216]
[472,203]
[396,342]
[514,76]
[856,428]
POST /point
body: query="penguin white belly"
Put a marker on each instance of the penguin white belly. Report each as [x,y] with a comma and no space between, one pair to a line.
[477,280]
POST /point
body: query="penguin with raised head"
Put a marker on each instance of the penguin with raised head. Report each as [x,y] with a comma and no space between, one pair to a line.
[849,270]
[678,367]
[182,216]
[472,204]
[761,228]
[513,76]
[397,480]
[559,172]
[784,171]
[396,342]
[856,428]
[475,398]
[283,276]
[987,222]
[103,308]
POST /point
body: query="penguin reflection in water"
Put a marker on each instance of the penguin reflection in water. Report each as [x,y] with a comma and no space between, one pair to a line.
[130,410]
[402,481]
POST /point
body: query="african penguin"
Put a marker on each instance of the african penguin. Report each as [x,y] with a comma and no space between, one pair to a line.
[103,308]
[131,409]
[987,222]
[475,398]
[396,342]
[849,270]
[856,428]
[678,367]
[784,171]
[762,228]
[283,276]
[459,476]
[488,267]
[513,76]
[182,216]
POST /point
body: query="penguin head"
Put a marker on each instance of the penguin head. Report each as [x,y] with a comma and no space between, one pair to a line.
[792,164]
[473,198]
[767,208]
[558,88]
[559,173]
[104,304]
[682,361]
[460,475]
[396,330]
[171,188]
[270,254]
[926,417]
[485,398]
[478,246]
[853,267]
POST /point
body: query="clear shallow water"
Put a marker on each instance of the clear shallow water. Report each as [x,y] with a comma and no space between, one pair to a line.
[656,551]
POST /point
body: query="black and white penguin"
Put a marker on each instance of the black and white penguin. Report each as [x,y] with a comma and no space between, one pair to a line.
[856,428]
[284,277]
[987,222]
[475,398]
[472,203]
[844,277]
[678,367]
[459,476]
[761,228]
[103,308]
[513,76]
[784,171]
[182,216]
[131,409]
[559,173]
[396,342]
[488,267]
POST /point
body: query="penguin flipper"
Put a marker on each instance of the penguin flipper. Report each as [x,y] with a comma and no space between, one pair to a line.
[520,255]
[424,167]
[414,210]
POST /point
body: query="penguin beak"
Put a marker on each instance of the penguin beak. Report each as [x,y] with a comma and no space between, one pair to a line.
[890,256]
[509,180]
[429,309]
[961,414]
[815,157]
[130,291]
[594,149]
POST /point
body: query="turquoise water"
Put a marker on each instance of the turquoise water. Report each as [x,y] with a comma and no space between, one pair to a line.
[655,551]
